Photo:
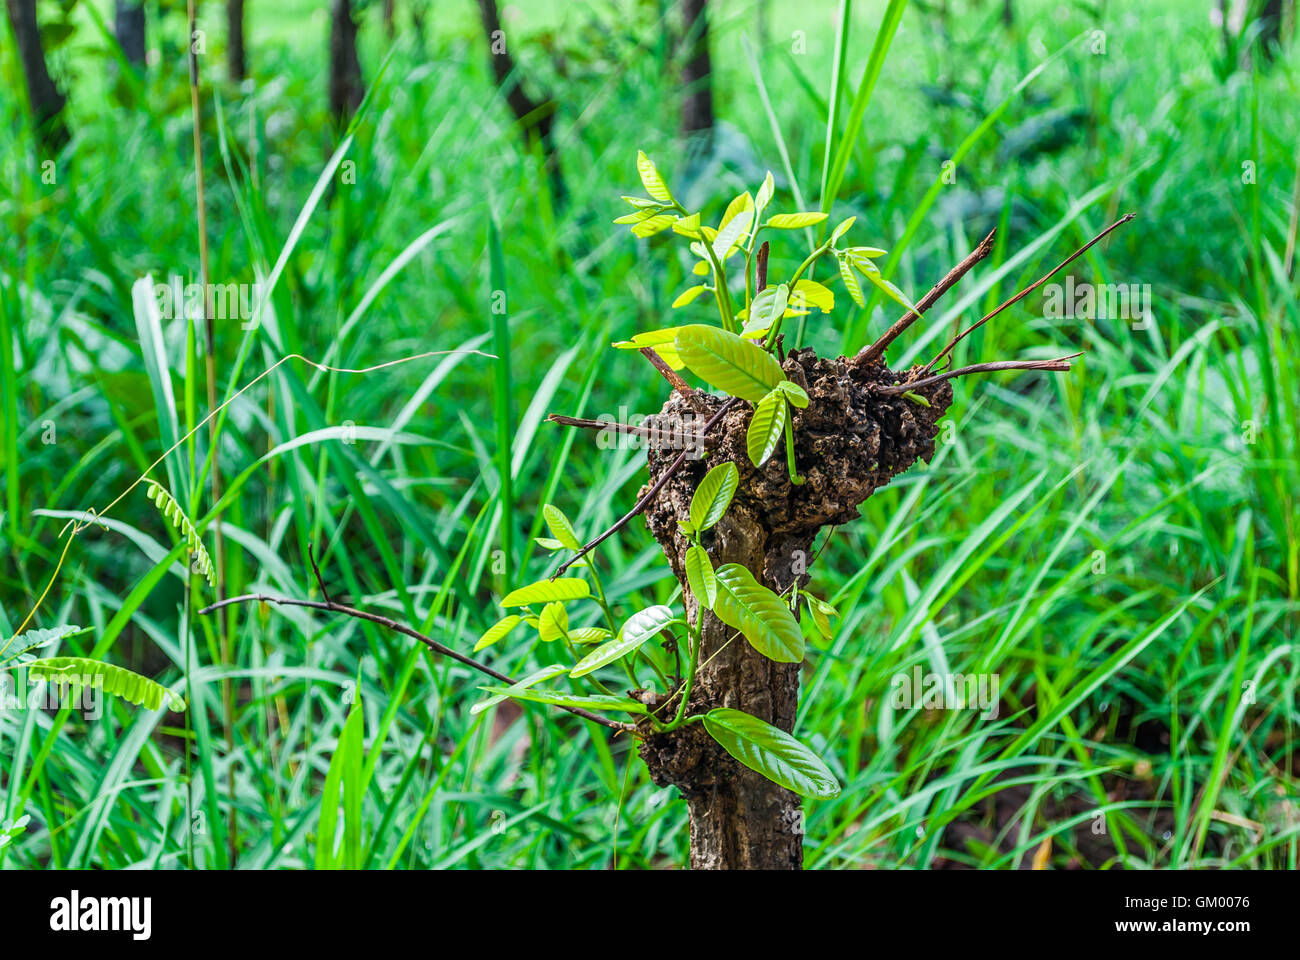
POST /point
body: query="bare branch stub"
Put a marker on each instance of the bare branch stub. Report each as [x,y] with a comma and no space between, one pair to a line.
[650,494]
[1059,364]
[689,393]
[875,351]
[1027,290]
[584,423]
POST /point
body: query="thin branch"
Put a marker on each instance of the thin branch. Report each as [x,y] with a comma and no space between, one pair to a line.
[320,581]
[402,628]
[689,394]
[1061,363]
[587,424]
[761,270]
[645,500]
[875,351]
[1028,290]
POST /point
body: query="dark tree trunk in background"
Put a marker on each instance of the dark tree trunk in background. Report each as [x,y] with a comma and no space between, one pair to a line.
[1270,32]
[43,96]
[417,21]
[390,20]
[236,58]
[849,442]
[536,117]
[697,80]
[128,27]
[346,88]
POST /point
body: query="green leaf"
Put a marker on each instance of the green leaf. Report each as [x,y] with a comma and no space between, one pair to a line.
[766,427]
[560,527]
[821,614]
[544,591]
[851,282]
[699,574]
[772,752]
[171,510]
[651,338]
[655,224]
[651,179]
[24,643]
[81,672]
[642,202]
[872,273]
[758,613]
[765,192]
[497,631]
[688,226]
[794,393]
[537,676]
[731,233]
[588,635]
[736,207]
[663,342]
[553,622]
[584,701]
[842,229]
[814,293]
[768,304]
[639,628]
[342,792]
[728,362]
[638,216]
[795,221]
[546,543]
[865,253]
[688,295]
[713,496]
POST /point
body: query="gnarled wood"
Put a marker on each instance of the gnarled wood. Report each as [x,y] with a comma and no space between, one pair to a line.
[849,442]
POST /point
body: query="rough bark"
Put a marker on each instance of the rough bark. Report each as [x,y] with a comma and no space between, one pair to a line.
[45,99]
[128,27]
[236,57]
[536,117]
[346,87]
[848,442]
[697,79]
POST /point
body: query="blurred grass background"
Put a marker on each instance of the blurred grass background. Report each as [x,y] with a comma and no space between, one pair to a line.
[1119,544]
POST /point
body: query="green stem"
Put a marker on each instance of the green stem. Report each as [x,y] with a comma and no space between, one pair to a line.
[609,615]
[693,656]
[720,292]
[573,651]
[812,258]
[749,262]
[789,447]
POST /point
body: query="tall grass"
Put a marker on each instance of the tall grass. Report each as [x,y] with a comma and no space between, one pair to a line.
[1119,545]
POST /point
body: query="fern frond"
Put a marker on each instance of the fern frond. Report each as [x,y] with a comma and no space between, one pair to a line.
[172,512]
[24,643]
[80,672]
